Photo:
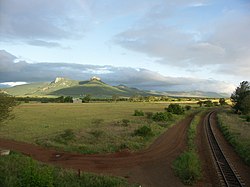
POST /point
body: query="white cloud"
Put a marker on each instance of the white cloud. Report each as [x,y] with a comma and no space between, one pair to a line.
[36,22]
[10,84]
[221,45]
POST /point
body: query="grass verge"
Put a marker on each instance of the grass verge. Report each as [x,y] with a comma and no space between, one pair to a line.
[187,166]
[17,170]
[237,132]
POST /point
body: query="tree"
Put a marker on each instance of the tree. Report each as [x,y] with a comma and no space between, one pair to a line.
[238,96]
[200,103]
[68,99]
[115,98]
[246,105]
[222,101]
[175,109]
[86,99]
[7,103]
[208,103]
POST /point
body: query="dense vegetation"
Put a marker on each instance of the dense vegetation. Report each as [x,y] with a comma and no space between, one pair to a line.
[20,171]
[6,105]
[175,109]
[241,98]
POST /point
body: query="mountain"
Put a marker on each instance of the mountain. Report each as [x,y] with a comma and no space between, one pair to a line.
[199,94]
[66,87]
[96,88]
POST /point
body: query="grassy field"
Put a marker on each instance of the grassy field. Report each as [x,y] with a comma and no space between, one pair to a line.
[85,128]
[237,131]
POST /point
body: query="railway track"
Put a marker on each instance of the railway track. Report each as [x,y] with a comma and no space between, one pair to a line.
[227,175]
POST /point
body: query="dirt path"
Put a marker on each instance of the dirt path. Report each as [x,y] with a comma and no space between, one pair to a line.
[209,175]
[150,167]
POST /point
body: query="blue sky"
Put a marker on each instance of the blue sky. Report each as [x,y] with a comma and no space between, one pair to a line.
[206,42]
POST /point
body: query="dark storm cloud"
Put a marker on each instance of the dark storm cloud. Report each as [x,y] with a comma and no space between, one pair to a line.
[12,70]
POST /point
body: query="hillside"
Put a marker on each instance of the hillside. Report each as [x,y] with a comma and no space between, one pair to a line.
[94,87]
[196,94]
[66,87]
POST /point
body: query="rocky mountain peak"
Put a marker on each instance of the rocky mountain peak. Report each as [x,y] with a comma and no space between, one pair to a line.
[58,79]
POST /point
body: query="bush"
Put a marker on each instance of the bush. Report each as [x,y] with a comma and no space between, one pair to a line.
[175,109]
[66,136]
[162,116]
[208,103]
[143,131]
[248,118]
[139,113]
[125,122]
[6,105]
[149,115]
[18,170]
[97,133]
[188,107]
[36,176]
[187,167]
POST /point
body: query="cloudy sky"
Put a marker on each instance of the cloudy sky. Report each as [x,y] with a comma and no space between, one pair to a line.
[152,44]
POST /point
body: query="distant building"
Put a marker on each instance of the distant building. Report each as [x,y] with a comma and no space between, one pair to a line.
[77,100]
[95,78]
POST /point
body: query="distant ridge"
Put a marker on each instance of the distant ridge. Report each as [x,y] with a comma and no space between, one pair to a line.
[95,87]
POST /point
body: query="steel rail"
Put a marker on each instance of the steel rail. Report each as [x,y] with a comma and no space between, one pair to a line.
[228,175]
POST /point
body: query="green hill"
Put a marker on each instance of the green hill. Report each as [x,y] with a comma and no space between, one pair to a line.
[66,87]
[94,87]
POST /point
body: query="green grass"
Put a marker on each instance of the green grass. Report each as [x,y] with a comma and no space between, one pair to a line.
[20,171]
[237,132]
[84,128]
[187,166]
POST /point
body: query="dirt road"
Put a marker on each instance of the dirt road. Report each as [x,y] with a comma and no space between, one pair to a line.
[150,167]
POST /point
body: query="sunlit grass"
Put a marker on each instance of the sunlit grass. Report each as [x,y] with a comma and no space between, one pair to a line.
[96,127]
[237,131]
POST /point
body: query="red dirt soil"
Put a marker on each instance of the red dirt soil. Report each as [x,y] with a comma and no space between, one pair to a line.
[149,167]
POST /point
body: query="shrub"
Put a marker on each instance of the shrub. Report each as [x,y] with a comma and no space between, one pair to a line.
[149,115]
[143,131]
[175,109]
[188,107]
[125,122]
[139,113]
[32,175]
[162,116]
[97,133]
[248,118]
[187,167]
[123,146]
[66,136]
[208,103]
[18,170]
